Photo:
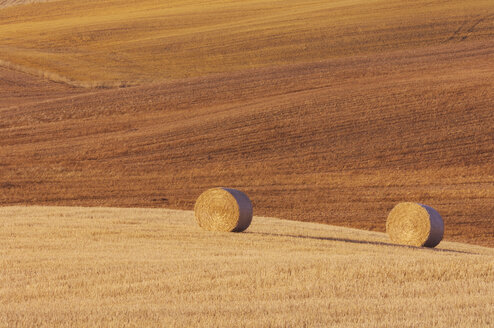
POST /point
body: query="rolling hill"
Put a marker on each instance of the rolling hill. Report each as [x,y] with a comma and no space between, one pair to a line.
[108,267]
[120,42]
[321,111]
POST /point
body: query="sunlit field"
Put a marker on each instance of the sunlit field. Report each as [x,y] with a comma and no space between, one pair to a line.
[120,42]
[321,111]
[108,267]
[115,115]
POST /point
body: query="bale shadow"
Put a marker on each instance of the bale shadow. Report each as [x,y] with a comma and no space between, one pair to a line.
[354,241]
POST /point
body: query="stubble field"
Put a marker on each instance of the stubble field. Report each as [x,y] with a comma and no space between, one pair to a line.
[108,267]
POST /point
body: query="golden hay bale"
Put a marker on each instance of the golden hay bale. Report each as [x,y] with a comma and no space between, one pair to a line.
[415,225]
[223,209]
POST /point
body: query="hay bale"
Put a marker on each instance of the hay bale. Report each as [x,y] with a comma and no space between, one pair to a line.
[223,209]
[415,225]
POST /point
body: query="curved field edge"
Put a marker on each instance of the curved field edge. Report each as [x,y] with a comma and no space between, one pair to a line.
[19,89]
[155,267]
[54,77]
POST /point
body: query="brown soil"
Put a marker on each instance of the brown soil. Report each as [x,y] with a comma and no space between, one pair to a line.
[339,141]
[18,89]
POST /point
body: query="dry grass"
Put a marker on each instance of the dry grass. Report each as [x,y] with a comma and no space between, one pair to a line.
[107,267]
[120,42]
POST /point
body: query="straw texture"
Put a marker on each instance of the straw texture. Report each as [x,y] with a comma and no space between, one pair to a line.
[223,209]
[415,225]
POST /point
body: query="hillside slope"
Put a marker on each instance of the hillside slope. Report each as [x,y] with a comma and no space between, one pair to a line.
[339,141]
[18,89]
[337,132]
[106,267]
[114,42]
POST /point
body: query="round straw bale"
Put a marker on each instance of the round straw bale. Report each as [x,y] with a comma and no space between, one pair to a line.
[415,225]
[223,209]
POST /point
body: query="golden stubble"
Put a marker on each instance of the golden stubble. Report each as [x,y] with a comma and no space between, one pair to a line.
[110,267]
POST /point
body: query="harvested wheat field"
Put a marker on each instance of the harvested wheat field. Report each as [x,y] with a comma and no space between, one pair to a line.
[325,111]
[108,267]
